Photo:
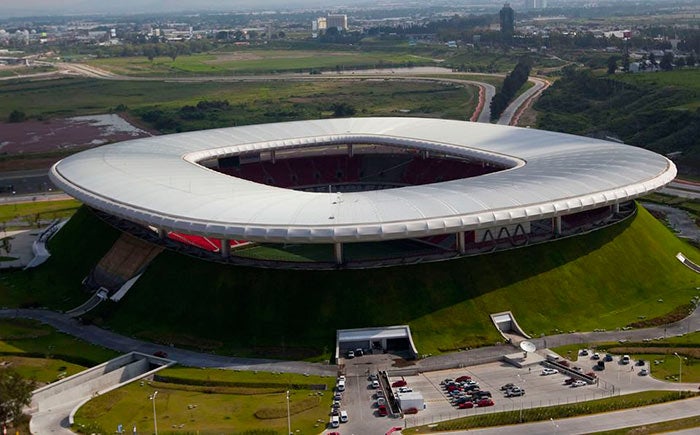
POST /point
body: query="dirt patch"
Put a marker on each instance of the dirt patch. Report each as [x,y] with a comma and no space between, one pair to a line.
[65,134]
[230,57]
[678,313]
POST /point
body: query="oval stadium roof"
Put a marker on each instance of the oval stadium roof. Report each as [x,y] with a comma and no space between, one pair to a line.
[157,181]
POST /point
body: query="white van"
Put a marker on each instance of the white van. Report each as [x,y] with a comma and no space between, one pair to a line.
[341,385]
[343,416]
[335,421]
[625,359]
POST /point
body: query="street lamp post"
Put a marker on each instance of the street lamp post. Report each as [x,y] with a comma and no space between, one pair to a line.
[155,420]
[289,416]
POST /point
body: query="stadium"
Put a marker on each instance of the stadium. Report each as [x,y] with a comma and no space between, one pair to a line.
[405,190]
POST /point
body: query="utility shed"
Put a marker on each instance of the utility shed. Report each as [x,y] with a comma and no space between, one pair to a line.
[388,338]
[411,400]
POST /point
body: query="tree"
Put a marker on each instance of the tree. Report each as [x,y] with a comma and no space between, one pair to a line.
[15,394]
[690,60]
[667,62]
[612,64]
[17,116]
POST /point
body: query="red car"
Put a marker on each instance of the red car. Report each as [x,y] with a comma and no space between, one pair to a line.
[465,405]
[463,378]
[411,411]
[484,402]
[400,383]
[382,411]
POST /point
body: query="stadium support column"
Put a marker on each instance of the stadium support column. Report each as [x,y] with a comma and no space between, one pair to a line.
[461,242]
[162,234]
[556,225]
[616,208]
[338,251]
[225,248]
[425,154]
[351,152]
[273,156]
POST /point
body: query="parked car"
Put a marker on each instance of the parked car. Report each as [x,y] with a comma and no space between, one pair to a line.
[359,352]
[336,404]
[578,383]
[482,393]
[405,390]
[643,372]
[640,362]
[608,357]
[548,371]
[466,405]
[569,381]
[583,352]
[412,410]
[463,378]
[382,411]
[625,359]
[338,396]
[343,416]
[399,383]
[596,356]
[507,386]
[515,392]
[600,365]
[373,377]
[484,402]
[375,384]
[335,421]
[446,381]
[351,354]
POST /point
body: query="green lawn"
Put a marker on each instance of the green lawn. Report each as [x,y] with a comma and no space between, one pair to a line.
[262,406]
[29,339]
[663,427]
[41,209]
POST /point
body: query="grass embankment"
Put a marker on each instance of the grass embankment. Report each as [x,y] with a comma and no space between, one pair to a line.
[57,283]
[213,401]
[635,400]
[40,352]
[618,273]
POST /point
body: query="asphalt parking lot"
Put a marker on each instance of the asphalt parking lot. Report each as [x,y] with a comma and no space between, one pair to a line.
[541,390]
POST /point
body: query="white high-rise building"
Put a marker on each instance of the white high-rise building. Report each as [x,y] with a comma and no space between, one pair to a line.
[535,4]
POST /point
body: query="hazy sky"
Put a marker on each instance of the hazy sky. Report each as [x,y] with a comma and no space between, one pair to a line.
[66,7]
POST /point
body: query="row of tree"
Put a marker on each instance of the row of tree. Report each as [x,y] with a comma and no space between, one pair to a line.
[512,83]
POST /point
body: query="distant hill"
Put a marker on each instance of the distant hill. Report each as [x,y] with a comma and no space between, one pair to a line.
[659,111]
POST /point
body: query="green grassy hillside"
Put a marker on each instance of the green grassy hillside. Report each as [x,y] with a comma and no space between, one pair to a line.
[602,280]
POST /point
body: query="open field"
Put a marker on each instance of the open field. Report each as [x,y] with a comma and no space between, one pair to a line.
[257,402]
[256,61]
[249,102]
[294,314]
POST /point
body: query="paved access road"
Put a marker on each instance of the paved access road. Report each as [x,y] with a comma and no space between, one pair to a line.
[120,343]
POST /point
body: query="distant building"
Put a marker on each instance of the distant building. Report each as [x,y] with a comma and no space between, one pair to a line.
[507,21]
[339,21]
[535,4]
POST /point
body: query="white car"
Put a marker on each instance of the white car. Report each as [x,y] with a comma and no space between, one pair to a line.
[405,390]
[335,421]
[343,416]
[578,383]
[547,371]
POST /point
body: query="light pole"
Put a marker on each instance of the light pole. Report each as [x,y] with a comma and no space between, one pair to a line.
[289,416]
[680,367]
[155,421]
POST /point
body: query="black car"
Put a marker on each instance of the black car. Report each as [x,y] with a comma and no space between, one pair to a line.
[640,362]
[481,394]
[507,386]
[600,365]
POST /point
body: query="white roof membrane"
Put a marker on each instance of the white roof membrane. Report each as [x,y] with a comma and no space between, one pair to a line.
[156,181]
